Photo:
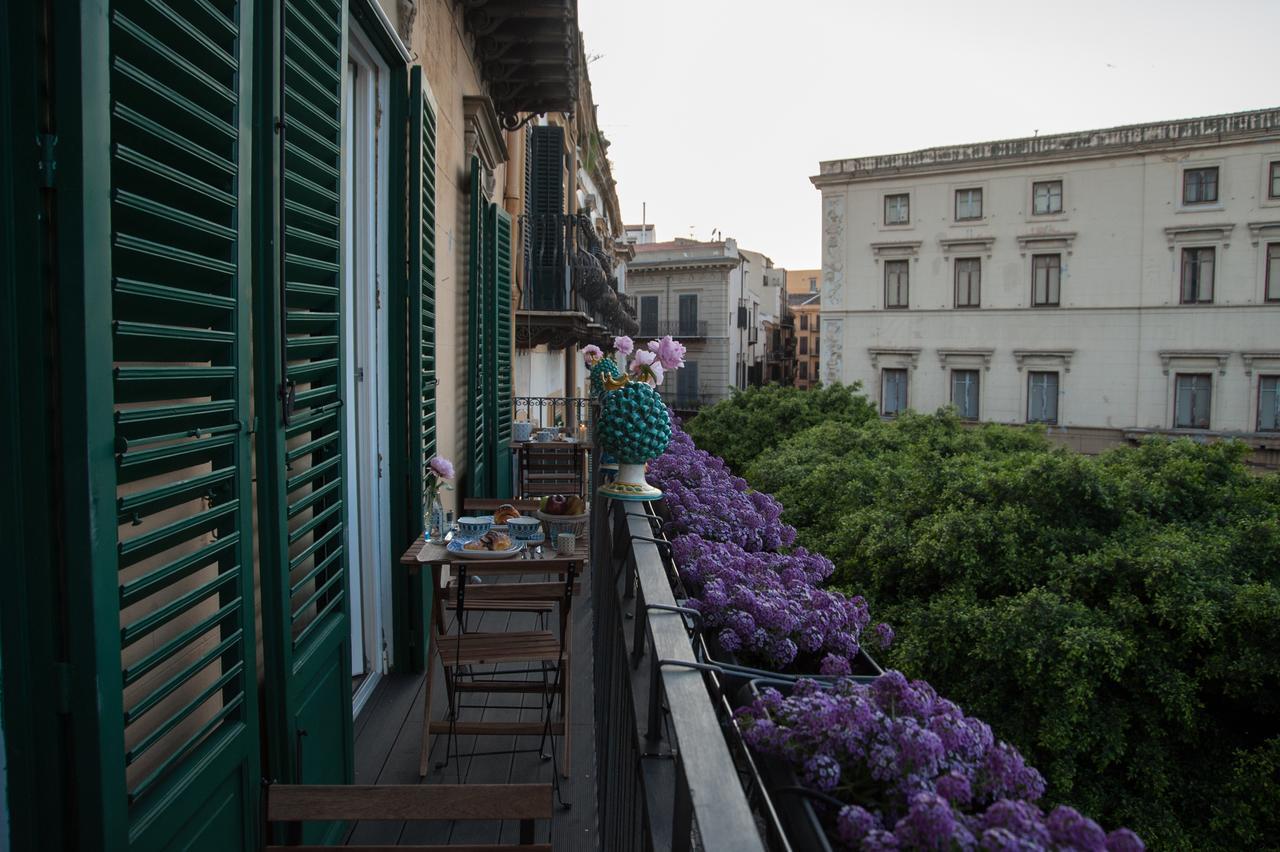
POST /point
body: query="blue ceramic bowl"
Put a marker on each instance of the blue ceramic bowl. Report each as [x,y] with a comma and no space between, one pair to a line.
[524,529]
[474,527]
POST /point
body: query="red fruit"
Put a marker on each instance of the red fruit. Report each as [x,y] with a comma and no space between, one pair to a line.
[557,504]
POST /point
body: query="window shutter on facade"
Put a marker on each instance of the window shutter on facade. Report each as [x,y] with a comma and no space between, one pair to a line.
[499,228]
[163,420]
[547,264]
[422,285]
[301,465]
[477,308]
[491,342]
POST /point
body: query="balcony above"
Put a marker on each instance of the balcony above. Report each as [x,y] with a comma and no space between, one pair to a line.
[569,295]
[684,331]
[529,54]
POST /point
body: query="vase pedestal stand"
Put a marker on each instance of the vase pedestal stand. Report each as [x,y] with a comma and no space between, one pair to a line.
[629,484]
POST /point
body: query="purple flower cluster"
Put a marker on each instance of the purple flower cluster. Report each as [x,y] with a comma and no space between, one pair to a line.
[922,773]
[769,606]
[705,498]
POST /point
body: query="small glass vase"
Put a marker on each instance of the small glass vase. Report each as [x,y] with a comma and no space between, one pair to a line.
[434,522]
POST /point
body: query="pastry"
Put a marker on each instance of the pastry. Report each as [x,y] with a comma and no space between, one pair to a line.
[478,544]
[497,540]
[504,513]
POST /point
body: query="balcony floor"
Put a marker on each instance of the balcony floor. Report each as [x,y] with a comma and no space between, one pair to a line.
[389,732]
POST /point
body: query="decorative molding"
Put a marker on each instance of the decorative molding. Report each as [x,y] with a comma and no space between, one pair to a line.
[949,356]
[483,131]
[1027,357]
[832,349]
[1199,233]
[896,250]
[1169,356]
[966,245]
[1045,242]
[1111,141]
[832,249]
[876,353]
[1258,355]
[1258,230]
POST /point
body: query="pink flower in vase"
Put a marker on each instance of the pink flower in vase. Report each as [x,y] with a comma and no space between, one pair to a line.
[624,345]
[441,467]
[670,352]
[591,354]
[645,367]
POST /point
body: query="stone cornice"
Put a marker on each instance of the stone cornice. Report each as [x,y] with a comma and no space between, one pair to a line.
[1042,242]
[877,352]
[484,131]
[966,245]
[1108,142]
[896,250]
[641,265]
[951,356]
[1220,233]
[1169,356]
[1258,230]
[1258,355]
[1024,357]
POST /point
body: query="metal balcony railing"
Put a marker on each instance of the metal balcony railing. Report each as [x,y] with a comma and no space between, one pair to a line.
[547,411]
[679,329]
[567,269]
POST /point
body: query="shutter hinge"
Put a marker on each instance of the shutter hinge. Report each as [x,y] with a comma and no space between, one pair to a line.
[379,465]
[48,164]
[377,299]
[62,678]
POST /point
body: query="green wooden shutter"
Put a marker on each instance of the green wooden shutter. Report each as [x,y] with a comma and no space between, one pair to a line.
[479,475]
[180,83]
[499,346]
[301,464]
[548,290]
[422,282]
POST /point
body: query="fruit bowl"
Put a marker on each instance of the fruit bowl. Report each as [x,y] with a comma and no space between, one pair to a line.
[557,524]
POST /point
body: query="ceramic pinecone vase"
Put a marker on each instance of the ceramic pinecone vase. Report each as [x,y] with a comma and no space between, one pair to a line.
[634,427]
[606,368]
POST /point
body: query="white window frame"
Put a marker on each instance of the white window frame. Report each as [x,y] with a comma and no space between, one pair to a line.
[1175,363]
[906,373]
[1257,364]
[1200,206]
[981,188]
[885,224]
[1057,396]
[1062,197]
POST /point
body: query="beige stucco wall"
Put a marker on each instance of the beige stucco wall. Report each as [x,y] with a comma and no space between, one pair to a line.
[1119,293]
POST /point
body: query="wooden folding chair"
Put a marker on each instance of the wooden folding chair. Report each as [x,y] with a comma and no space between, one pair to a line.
[487,506]
[551,469]
[295,804]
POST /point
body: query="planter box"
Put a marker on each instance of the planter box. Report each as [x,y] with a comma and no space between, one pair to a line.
[738,684]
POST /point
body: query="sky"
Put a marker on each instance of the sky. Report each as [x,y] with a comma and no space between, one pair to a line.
[718,112]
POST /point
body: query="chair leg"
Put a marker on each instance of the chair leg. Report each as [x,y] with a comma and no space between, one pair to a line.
[565,672]
[424,755]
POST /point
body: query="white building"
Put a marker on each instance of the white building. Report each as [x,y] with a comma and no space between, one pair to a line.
[1104,282]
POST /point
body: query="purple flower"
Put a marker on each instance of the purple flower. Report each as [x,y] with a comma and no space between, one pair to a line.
[885,634]
[821,772]
[1020,819]
[441,467]
[954,787]
[1069,828]
[931,824]
[624,345]
[1124,840]
[853,823]
[670,352]
[833,664]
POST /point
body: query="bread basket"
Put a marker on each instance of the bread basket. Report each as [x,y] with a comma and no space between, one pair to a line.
[557,524]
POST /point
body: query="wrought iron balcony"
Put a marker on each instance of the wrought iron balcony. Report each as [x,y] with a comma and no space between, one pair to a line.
[684,330]
[570,292]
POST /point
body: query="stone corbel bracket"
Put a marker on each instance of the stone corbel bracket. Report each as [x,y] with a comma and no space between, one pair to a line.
[966,245]
[1168,356]
[897,250]
[1028,357]
[1251,357]
[1259,230]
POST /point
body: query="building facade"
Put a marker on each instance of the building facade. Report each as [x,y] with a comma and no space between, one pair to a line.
[805,299]
[273,271]
[1106,283]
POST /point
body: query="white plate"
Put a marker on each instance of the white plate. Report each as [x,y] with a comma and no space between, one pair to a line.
[456,549]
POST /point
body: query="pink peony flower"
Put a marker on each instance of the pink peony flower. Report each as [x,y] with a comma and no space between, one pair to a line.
[645,366]
[670,352]
[441,467]
[591,354]
[625,345]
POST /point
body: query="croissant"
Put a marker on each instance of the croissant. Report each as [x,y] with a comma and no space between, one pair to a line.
[504,513]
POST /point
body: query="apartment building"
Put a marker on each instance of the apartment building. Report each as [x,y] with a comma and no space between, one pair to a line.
[1108,283]
[715,298]
[805,300]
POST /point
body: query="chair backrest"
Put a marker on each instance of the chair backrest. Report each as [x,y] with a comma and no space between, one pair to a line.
[295,803]
[488,504]
[551,469]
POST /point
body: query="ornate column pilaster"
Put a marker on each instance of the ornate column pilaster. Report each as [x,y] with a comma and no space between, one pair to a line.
[833,253]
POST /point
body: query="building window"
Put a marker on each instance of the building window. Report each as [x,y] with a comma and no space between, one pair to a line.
[648,315]
[689,314]
[968,282]
[1046,278]
[803,371]
[964,393]
[1197,275]
[893,391]
[1042,397]
[897,209]
[1191,397]
[1273,180]
[1200,186]
[804,345]
[1272,293]
[1269,403]
[968,204]
[896,275]
[813,285]
[815,345]
[1046,197]
[804,322]
[687,384]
